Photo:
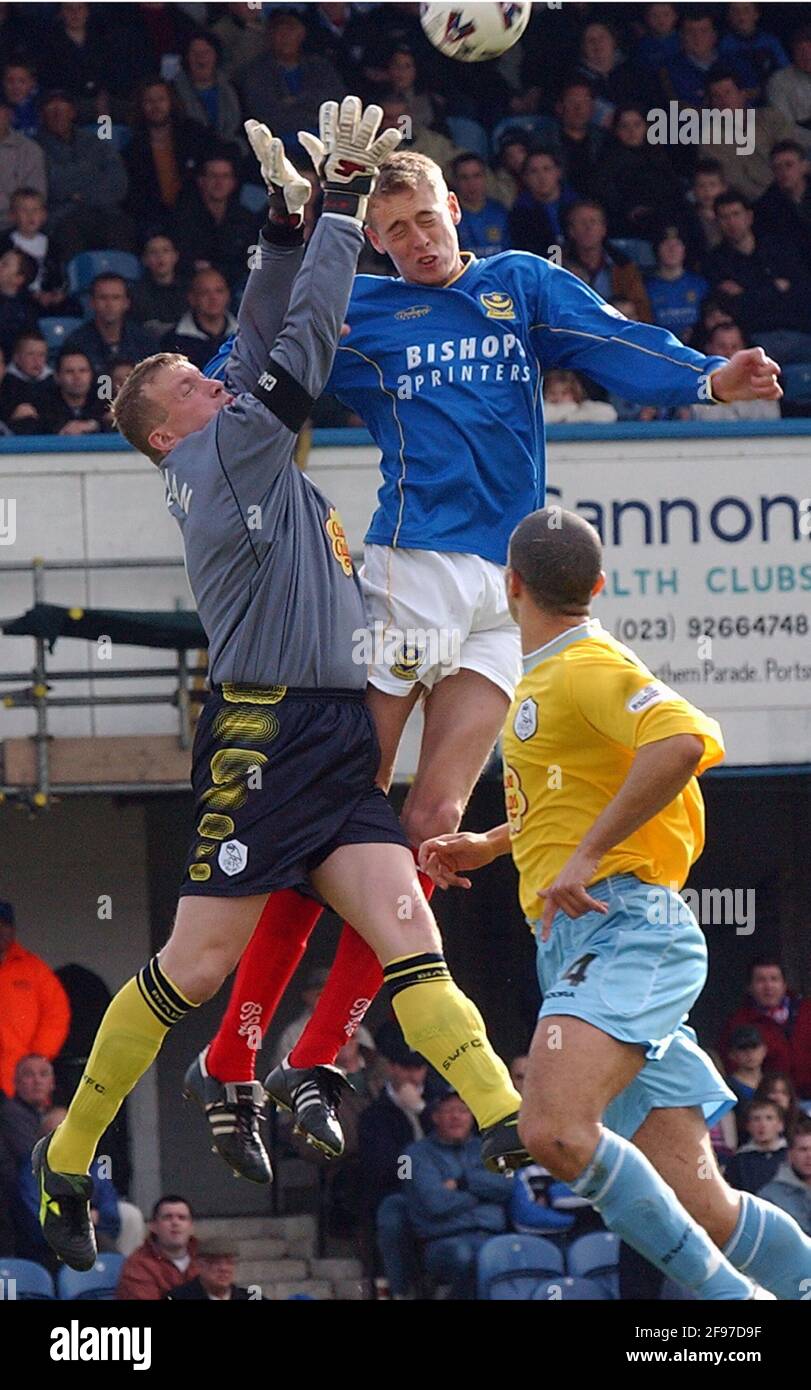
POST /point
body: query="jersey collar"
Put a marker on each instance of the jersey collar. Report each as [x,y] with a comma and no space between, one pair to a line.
[468,259]
[591,627]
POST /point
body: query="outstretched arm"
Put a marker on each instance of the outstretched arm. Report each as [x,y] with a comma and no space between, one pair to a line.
[275,261]
[575,328]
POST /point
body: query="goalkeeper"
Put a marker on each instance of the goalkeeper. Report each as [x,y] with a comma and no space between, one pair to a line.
[279,599]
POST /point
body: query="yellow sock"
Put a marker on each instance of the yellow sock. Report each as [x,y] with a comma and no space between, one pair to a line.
[440,1021]
[127,1043]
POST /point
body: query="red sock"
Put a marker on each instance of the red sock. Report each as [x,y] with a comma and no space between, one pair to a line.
[264,972]
[354,979]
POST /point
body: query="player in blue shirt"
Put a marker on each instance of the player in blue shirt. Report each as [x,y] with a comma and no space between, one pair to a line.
[444,364]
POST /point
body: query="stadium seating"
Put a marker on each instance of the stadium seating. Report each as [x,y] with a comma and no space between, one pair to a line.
[596,1257]
[511,1267]
[639,251]
[543,128]
[31,1281]
[83,269]
[56,330]
[253,197]
[469,135]
[796,382]
[100,1282]
[563,1290]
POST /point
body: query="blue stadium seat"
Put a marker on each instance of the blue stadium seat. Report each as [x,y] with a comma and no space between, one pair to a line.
[83,269]
[469,135]
[796,381]
[566,1289]
[510,1267]
[253,197]
[639,251]
[596,1256]
[55,330]
[100,1282]
[120,135]
[31,1281]
[542,128]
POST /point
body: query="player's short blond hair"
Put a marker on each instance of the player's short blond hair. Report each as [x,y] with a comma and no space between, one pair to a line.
[135,415]
[403,171]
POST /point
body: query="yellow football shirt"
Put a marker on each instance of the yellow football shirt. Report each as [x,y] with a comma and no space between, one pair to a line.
[583,708]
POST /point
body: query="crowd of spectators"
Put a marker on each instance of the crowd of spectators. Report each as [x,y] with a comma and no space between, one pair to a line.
[121,132]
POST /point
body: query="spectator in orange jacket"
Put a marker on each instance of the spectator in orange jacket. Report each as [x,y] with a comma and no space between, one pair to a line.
[168,1256]
[34,1008]
[782,1020]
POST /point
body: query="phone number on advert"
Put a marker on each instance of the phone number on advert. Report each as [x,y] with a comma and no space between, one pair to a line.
[664,629]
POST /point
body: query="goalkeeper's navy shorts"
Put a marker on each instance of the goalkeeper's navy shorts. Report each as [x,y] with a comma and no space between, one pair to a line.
[281,778]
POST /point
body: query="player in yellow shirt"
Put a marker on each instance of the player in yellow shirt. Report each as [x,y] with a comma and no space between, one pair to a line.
[605,819]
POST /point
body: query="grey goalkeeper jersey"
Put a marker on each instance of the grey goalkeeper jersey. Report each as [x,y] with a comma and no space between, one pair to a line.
[266,554]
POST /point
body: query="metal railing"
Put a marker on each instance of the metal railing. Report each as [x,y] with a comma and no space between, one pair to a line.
[39,680]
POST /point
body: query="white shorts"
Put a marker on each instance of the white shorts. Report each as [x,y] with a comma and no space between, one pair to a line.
[433,613]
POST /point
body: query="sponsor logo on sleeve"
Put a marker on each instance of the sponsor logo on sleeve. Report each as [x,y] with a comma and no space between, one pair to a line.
[650,695]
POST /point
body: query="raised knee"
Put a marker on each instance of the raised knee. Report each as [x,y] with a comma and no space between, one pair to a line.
[423,820]
[558,1145]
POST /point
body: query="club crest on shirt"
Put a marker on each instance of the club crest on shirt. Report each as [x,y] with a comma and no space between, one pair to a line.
[340,545]
[525,724]
[407,661]
[418,311]
[514,799]
[233,857]
[498,305]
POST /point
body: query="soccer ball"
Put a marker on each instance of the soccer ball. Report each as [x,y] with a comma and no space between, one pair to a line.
[475,32]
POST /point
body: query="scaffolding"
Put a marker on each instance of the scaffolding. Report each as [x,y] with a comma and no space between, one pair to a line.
[39,680]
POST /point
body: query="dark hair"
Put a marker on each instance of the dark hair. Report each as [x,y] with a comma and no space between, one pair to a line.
[31,335]
[207,37]
[576,80]
[781,147]
[107,275]
[801,35]
[721,73]
[697,12]
[139,119]
[547,154]
[221,155]
[467,157]
[725,200]
[26,192]
[28,265]
[559,557]
[72,352]
[170,1197]
[709,166]
[792,1111]
[765,959]
[582,203]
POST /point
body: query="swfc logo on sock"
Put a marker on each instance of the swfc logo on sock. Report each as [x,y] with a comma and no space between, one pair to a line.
[454,1057]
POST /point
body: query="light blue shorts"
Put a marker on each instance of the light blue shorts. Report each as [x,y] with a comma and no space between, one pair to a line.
[635,973]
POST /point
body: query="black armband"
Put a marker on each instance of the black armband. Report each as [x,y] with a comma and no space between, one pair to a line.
[284,397]
[283,230]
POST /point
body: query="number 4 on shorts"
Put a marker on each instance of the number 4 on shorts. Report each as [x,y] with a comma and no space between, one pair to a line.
[576,973]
